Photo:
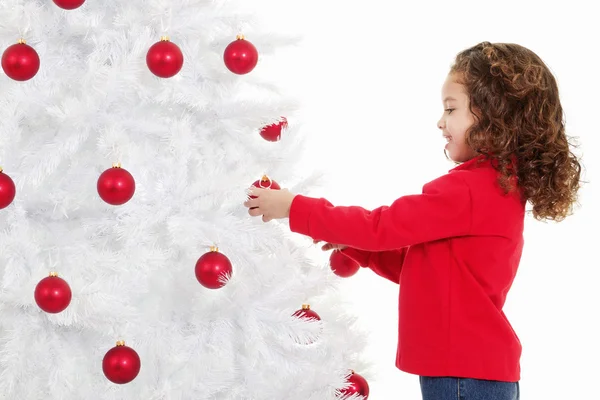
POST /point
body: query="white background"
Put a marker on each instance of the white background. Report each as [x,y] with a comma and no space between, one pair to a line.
[370,74]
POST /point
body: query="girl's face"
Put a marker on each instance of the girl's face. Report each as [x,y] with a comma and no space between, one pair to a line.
[456,120]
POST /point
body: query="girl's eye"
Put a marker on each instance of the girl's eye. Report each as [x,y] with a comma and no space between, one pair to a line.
[450,110]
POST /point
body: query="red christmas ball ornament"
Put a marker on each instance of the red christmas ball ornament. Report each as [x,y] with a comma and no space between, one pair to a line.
[240,56]
[164,58]
[213,269]
[52,294]
[357,385]
[20,61]
[272,132]
[69,4]
[7,190]
[306,313]
[116,185]
[265,183]
[121,364]
[342,265]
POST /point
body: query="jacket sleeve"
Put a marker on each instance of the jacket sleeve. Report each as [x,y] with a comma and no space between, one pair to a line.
[387,264]
[443,210]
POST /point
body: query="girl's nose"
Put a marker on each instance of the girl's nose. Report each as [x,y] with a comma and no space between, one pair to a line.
[441,124]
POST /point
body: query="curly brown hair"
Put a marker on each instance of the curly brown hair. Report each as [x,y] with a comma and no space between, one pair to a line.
[519,124]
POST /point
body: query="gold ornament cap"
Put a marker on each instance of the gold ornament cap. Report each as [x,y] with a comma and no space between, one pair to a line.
[306,306]
[53,274]
[214,249]
[116,165]
[240,37]
[1,170]
[21,41]
[120,343]
[165,38]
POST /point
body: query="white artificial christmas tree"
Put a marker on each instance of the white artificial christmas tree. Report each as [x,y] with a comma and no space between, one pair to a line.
[191,144]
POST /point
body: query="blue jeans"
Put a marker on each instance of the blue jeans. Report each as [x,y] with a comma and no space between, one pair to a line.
[442,388]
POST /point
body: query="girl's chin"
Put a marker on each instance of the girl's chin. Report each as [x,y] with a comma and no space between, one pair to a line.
[453,156]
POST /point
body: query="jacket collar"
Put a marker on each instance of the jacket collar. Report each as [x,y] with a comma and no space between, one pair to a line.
[473,163]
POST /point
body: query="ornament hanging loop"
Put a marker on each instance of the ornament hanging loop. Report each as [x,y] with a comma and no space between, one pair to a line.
[265,178]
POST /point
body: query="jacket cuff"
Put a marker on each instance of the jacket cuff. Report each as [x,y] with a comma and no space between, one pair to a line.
[300,211]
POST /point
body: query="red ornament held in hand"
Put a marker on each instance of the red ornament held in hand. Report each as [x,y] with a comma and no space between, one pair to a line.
[52,294]
[69,4]
[213,269]
[121,364]
[164,58]
[240,56]
[272,132]
[357,385]
[116,185]
[7,190]
[265,183]
[20,61]
[342,265]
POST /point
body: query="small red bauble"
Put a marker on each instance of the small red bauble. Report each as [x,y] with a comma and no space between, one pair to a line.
[121,364]
[357,385]
[265,183]
[306,313]
[164,58]
[52,294]
[213,269]
[342,265]
[69,4]
[7,190]
[240,56]
[20,61]
[272,132]
[116,185]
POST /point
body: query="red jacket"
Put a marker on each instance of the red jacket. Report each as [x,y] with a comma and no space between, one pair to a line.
[454,250]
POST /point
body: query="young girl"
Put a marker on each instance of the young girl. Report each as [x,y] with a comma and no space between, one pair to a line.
[455,248]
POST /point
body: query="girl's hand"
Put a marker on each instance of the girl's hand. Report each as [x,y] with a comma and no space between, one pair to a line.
[270,203]
[330,246]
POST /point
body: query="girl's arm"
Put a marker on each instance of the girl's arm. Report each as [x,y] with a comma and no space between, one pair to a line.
[443,210]
[387,264]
